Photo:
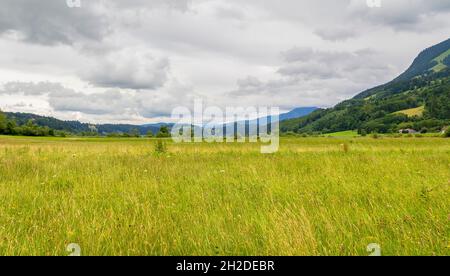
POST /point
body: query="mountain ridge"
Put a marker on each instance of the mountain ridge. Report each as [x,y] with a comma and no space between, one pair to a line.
[76,127]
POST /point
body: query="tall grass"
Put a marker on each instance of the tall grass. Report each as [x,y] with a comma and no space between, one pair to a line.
[313,197]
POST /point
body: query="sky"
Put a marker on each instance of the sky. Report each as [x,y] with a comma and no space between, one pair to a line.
[134,61]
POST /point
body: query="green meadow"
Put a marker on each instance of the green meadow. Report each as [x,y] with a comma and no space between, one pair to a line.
[316,196]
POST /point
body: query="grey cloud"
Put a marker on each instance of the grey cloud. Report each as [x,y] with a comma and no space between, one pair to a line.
[314,77]
[112,102]
[129,69]
[309,64]
[411,15]
[179,5]
[298,54]
[288,93]
[249,82]
[31,89]
[230,13]
[309,70]
[354,16]
[50,22]
[336,34]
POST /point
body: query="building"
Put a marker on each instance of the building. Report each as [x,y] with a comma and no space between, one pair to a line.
[407,131]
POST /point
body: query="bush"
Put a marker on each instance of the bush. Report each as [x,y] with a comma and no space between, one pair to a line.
[160,147]
[163,132]
[2,123]
[447,133]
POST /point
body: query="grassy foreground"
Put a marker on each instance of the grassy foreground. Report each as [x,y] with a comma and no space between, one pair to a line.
[316,196]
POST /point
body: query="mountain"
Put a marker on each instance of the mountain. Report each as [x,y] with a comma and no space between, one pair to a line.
[418,99]
[293,114]
[157,125]
[297,113]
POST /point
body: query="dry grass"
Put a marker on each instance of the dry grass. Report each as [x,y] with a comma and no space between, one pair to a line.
[418,111]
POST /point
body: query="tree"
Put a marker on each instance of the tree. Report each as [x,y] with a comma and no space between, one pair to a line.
[11,128]
[149,134]
[163,132]
[135,133]
[2,123]
[447,132]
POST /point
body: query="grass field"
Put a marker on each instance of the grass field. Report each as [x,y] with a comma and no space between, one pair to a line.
[316,196]
[418,111]
[440,61]
[348,133]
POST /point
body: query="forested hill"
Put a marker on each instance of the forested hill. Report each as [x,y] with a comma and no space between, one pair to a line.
[417,99]
[76,127]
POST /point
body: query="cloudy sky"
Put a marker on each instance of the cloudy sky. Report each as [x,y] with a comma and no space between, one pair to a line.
[133,61]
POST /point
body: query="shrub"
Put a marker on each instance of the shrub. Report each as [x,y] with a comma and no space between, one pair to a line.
[447,133]
[160,147]
[163,132]
[2,123]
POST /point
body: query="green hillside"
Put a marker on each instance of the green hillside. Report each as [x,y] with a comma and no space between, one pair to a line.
[418,99]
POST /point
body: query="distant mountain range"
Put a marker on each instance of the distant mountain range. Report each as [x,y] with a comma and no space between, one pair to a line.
[77,127]
[297,113]
[417,99]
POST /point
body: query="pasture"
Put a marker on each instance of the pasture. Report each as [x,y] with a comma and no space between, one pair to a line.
[316,196]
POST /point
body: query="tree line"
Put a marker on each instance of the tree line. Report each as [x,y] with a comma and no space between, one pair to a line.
[11,126]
